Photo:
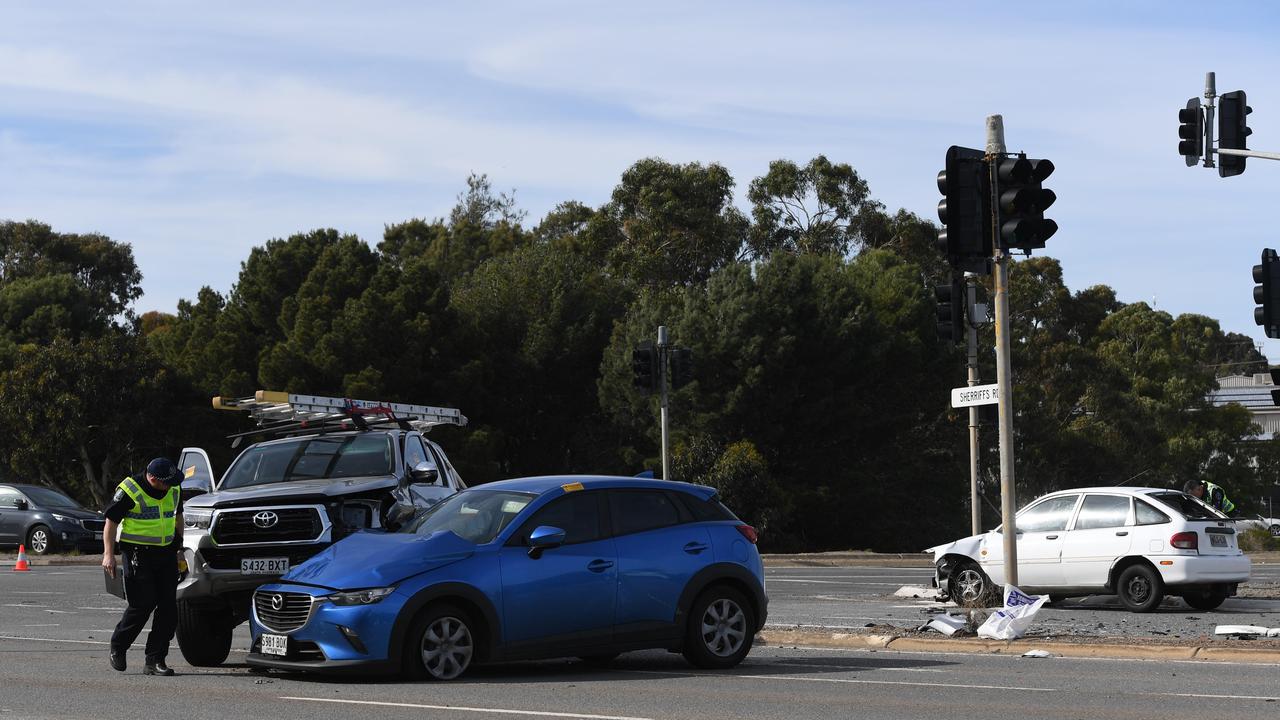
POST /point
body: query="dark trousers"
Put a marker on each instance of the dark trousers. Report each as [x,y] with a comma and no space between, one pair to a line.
[150,581]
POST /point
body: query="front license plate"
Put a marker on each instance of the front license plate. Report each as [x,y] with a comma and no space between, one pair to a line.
[264,566]
[275,644]
[1216,540]
[97,536]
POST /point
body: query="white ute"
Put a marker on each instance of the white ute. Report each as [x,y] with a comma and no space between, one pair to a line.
[1137,543]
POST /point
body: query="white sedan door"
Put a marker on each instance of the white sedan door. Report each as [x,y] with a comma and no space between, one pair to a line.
[1101,533]
[1041,530]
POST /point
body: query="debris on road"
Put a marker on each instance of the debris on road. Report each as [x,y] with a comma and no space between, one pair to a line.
[1013,621]
[918,591]
[1246,631]
[946,623]
[1037,654]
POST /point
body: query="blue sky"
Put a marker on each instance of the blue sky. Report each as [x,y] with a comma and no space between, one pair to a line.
[196,132]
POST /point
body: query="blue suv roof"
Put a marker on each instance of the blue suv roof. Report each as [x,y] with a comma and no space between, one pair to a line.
[544,483]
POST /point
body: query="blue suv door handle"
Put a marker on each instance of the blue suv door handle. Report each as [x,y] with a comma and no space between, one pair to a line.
[694,548]
[599,565]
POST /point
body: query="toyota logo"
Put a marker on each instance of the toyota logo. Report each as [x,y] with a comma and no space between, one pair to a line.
[277,601]
[266,519]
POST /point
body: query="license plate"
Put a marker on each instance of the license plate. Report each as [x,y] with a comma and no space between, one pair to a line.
[264,566]
[1217,540]
[97,536]
[275,644]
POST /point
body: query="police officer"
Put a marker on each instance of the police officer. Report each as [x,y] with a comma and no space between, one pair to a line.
[1210,494]
[149,515]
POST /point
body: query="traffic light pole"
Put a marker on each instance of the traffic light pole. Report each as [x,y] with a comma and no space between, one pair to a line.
[1004,375]
[975,507]
[1210,94]
[662,382]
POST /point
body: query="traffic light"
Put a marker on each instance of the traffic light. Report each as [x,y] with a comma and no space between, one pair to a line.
[965,211]
[1023,201]
[644,367]
[681,367]
[1191,132]
[1267,293]
[1233,131]
[951,302]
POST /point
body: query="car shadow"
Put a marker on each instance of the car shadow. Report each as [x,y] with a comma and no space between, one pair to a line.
[655,664]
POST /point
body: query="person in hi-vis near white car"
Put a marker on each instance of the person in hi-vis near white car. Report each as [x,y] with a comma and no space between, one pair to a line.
[149,517]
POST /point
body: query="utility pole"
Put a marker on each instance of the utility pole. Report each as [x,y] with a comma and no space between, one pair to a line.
[975,506]
[662,382]
[1004,375]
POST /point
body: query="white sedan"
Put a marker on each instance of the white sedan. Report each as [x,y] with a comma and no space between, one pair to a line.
[1137,543]
[1271,525]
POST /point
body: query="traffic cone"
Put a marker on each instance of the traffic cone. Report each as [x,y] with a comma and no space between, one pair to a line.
[21,565]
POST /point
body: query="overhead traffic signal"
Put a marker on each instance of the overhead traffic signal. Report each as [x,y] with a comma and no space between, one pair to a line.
[964,210]
[1267,293]
[1023,201]
[951,315]
[681,367]
[1191,132]
[644,367]
[1233,131]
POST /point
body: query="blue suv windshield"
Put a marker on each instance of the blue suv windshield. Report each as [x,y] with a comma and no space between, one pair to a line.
[475,516]
[324,456]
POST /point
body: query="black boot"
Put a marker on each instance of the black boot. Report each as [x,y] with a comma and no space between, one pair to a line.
[117,661]
[157,668]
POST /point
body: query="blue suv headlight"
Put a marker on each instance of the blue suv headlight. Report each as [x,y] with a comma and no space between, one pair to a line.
[367,596]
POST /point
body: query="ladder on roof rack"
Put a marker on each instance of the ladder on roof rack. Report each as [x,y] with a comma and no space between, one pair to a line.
[298,413]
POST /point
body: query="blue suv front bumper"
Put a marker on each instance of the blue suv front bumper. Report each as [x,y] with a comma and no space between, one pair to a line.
[332,637]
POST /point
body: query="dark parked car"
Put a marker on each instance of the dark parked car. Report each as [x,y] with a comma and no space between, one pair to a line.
[47,521]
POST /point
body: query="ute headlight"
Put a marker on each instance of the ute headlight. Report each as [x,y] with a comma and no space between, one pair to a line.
[198,519]
[368,596]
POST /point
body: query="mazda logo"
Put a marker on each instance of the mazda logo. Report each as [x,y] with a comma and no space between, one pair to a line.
[277,601]
[266,519]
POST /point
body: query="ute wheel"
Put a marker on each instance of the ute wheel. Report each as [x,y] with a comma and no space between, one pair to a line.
[1208,599]
[441,644]
[721,629]
[40,540]
[204,634]
[1140,588]
[969,587]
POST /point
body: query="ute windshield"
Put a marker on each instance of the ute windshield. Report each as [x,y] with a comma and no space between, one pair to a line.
[310,458]
[1189,507]
[475,515]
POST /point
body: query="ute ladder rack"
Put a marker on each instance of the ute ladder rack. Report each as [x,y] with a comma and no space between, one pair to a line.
[280,413]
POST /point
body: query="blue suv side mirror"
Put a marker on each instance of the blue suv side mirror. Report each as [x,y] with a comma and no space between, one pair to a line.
[544,537]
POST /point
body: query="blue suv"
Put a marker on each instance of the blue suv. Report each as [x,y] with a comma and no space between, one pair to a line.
[530,568]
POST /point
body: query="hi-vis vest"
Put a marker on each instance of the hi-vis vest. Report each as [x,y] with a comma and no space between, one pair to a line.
[150,521]
[1209,488]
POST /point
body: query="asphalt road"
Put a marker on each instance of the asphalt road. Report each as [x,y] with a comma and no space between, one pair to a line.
[55,621]
[855,597]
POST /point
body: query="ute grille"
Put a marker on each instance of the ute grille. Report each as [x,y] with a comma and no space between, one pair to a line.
[293,613]
[292,525]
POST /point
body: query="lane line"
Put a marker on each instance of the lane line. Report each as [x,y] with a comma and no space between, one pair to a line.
[849,681]
[463,708]
[35,592]
[1216,697]
[82,642]
[102,608]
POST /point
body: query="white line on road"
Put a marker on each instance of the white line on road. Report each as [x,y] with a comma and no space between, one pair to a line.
[35,592]
[1268,698]
[850,681]
[462,708]
[81,642]
[40,625]
[121,607]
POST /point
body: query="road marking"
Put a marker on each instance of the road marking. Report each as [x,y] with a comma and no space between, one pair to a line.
[1217,697]
[850,681]
[35,592]
[462,708]
[102,608]
[40,625]
[85,642]
[852,668]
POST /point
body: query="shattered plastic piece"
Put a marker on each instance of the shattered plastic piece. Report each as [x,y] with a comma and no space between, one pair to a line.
[947,624]
[917,591]
[1243,630]
[1037,654]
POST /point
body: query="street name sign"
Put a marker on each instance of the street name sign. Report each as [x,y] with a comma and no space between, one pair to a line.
[976,395]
